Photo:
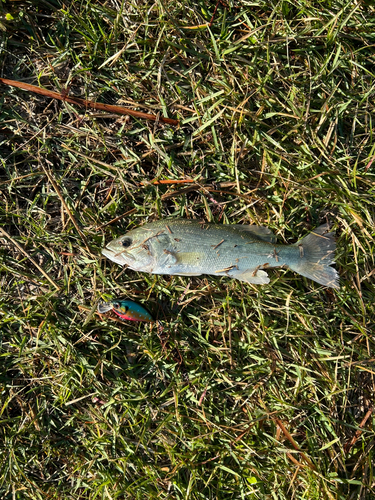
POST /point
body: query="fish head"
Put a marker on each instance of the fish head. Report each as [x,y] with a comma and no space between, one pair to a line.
[132,250]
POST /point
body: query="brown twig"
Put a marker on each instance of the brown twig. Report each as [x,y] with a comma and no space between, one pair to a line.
[213,15]
[354,439]
[99,162]
[294,444]
[117,218]
[61,96]
[108,315]
[169,181]
[21,249]
[197,187]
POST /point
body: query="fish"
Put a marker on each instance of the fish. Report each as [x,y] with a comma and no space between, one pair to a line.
[187,247]
[126,309]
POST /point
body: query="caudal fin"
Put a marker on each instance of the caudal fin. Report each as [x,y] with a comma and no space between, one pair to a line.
[317,251]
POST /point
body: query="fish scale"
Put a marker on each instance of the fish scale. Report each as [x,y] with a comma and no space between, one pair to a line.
[190,248]
[224,253]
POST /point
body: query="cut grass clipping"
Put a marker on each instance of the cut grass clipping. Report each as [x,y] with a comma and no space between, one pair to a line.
[241,391]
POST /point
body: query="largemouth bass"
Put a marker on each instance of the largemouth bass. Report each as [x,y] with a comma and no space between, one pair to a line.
[190,248]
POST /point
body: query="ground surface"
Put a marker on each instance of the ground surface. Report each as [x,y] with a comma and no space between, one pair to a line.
[248,391]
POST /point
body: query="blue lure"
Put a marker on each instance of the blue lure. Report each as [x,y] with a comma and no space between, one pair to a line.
[126,309]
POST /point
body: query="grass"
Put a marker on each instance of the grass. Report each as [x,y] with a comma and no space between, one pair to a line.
[256,392]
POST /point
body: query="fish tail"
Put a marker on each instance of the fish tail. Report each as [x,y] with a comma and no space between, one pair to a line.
[317,252]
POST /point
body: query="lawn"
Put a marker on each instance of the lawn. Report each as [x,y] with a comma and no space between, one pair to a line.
[239,391]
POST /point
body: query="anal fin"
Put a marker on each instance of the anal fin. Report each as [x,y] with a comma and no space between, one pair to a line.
[188,274]
[254,276]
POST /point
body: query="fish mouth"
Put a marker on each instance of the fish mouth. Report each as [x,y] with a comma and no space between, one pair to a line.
[139,258]
[118,258]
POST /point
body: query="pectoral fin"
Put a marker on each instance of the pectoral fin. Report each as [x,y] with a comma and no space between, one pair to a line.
[261,232]
[167,258]
[257,277]
[171,262]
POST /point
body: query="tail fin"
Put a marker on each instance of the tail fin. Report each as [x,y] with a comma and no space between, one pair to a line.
[317,253]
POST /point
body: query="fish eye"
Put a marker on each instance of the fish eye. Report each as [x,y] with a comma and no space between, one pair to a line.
[116,305]
[126,242]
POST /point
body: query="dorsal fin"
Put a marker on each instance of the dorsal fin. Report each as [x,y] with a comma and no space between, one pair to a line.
[261,232]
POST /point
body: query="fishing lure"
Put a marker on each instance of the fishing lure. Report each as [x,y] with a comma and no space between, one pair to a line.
[126,309]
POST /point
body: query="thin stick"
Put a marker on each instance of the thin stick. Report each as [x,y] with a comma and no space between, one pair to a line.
[101,316]
[354,439]
[117,218]
[169,181]
[58,192]
[87,104]
[213,15]
[196,187]
[230,341]
[294,444]
[20,177]
[107,165]
[222,241]
[21,249]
